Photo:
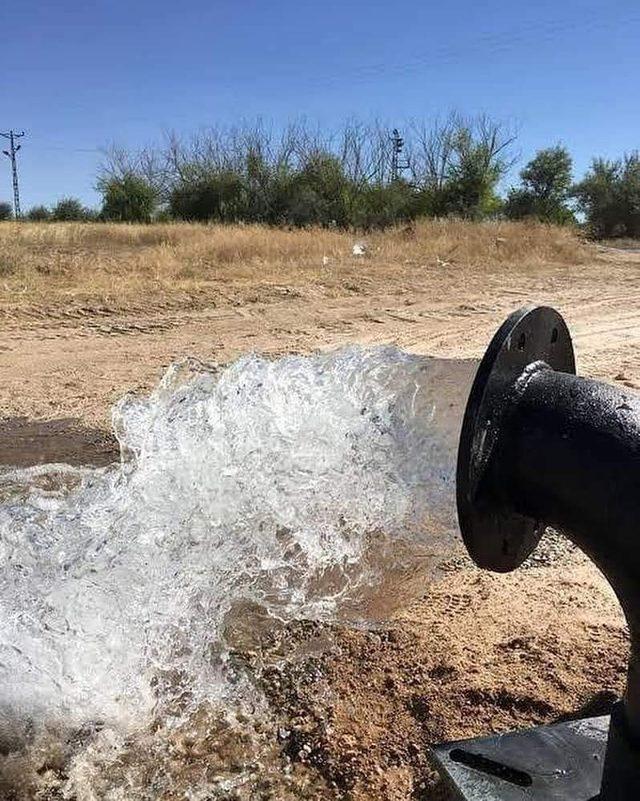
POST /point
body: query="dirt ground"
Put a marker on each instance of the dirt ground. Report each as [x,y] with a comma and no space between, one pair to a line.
[479,652]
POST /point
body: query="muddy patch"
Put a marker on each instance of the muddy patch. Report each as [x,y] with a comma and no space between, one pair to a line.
[24,443]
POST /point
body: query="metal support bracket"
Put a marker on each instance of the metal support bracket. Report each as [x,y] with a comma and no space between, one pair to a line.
[562,762]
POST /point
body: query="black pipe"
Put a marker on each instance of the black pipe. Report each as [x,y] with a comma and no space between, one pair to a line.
[570,456]
[540,446]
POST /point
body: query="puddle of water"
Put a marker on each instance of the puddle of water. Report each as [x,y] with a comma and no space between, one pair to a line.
[26,442]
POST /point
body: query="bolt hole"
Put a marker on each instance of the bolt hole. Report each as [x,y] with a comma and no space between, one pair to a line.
[554,335]
[521,342]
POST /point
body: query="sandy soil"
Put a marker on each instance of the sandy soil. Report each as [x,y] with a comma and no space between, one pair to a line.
[74,364]
[479,652]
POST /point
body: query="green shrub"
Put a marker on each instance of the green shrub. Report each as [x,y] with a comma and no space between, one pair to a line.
[6,211]
[128,198]
[218,196]
[38,214]
[320,193]
[384,205]
[70,209]
[163,216]
[609,197]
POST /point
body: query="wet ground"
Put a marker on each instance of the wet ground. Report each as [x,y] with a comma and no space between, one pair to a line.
[25,442]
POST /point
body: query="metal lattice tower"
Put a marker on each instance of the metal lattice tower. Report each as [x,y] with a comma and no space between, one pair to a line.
[11,154]
[397,164]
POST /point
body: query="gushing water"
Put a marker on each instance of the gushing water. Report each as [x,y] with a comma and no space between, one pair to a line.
[299,487]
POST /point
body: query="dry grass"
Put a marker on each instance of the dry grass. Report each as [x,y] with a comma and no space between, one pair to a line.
[56,263]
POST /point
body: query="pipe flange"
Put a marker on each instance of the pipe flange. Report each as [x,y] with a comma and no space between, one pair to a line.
[496,538]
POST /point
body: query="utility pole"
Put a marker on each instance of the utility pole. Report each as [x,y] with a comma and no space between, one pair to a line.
[397,164]
[11,153]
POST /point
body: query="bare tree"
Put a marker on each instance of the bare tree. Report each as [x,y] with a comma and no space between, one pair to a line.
[438,149]
[432,150]
[149,163]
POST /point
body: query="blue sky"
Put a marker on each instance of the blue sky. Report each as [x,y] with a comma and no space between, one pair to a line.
[79,75]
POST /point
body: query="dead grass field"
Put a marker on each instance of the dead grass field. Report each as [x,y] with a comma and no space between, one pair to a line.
[78,262]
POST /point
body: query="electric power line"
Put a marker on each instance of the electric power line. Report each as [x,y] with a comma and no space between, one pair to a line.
[11,154]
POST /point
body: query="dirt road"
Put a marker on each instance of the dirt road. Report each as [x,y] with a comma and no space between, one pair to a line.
[72,365]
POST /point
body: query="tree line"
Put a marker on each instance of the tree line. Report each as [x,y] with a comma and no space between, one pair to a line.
[305,176]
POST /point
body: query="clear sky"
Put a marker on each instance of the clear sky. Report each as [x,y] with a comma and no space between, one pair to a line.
[79,75]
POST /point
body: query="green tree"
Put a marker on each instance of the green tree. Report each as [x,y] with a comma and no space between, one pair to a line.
[6,211]
[470,188]
[545,188]
[128,198]
[38,214]
[630,194]
[609,196]
[70,209]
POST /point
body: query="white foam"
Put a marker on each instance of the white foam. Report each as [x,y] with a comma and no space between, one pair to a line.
[266,482]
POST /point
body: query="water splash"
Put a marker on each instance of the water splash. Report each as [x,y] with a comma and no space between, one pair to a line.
[299,488]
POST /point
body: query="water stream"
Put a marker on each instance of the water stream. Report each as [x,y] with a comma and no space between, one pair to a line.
[268,491]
